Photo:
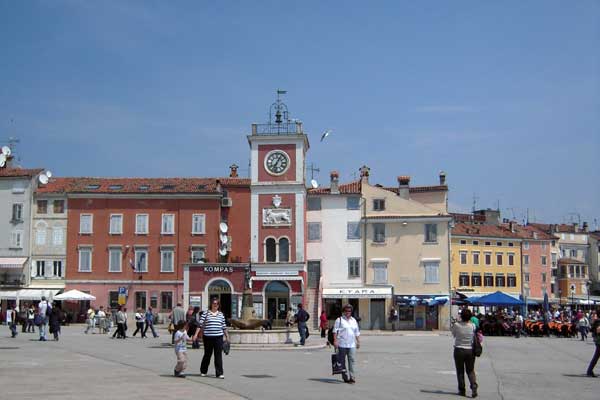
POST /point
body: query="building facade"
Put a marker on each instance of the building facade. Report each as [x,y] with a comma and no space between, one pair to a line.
[536,253]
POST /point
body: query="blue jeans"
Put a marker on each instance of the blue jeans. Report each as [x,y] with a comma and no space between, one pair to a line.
[13,329]
[349,352]
[302,332]
[43,328]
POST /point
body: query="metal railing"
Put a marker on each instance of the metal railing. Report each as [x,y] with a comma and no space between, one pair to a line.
[284,128]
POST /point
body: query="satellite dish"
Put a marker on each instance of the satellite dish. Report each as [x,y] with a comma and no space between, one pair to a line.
[224,238]
[223,227]
[49,174]
[223,251]
[314,183]
[6,151]
[43,178]
[2,160]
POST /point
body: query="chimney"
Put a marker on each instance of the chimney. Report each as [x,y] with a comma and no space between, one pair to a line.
[575,227]
[233,171]
[585,227]
[335,180]
[511,226]
[403,184]
[442,178]
[535,235]
[9,162]
[364,173]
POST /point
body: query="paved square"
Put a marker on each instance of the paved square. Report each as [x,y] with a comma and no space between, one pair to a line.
[416,366]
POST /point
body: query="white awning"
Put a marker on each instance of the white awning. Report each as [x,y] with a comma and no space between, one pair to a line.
[8,294]
[276,278]
[74,295]
[357,292]
[12,262]
[35,294]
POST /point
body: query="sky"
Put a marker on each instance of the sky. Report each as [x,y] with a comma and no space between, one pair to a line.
[502,96]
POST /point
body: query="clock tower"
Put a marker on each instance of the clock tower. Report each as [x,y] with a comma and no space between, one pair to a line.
[277,222]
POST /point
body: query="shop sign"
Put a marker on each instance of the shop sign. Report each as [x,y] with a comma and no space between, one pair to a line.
[277,273]
[196,301]
[357,292]
[217,269]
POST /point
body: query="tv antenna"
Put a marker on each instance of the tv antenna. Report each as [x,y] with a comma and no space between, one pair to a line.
[313,169]
[475,198]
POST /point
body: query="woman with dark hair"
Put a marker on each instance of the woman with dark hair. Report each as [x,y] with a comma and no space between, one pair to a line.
[213,330]
[193,326]
[55,319]
[463,332]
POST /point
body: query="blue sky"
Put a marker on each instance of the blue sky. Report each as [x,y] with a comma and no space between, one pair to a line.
[503,96]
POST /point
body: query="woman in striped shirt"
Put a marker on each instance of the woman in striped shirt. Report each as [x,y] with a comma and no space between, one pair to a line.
[213,330]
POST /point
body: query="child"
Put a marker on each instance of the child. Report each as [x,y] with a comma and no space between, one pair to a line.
[181,340]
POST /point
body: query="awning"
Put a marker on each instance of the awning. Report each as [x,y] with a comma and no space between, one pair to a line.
[8,294]
[424,299]
[27,294]
[363,292]
[12,262]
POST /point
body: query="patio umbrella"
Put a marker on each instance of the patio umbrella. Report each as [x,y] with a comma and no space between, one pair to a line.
[74,295]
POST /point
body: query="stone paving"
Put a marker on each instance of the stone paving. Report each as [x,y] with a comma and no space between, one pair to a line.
[406,365]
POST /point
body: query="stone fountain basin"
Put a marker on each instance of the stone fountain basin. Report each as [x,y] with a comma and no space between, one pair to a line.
[262,337]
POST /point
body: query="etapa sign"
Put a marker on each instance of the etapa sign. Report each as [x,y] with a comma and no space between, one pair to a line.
[360,292]
[217,269]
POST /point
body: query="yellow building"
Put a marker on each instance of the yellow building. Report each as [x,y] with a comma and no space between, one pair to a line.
[485,259]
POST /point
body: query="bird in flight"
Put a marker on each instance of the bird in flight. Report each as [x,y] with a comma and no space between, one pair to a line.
[325,134]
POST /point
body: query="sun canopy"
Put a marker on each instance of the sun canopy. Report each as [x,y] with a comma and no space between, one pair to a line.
[495,299]
[74,295]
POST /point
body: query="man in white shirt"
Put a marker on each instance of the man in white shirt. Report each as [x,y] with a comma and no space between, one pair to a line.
[346,341]
[43,308]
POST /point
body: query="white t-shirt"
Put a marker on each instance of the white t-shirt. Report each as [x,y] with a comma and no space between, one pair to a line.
[101,314]
[346,331]
[180,341]
[42,308]
[9,316]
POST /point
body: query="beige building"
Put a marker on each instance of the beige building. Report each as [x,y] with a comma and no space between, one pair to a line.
[406,253]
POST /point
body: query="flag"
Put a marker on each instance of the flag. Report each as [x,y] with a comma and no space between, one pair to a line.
[281,91]
[132,264]
[140,261]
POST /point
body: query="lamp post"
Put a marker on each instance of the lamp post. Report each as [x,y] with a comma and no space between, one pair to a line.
[560,298]
[588,284]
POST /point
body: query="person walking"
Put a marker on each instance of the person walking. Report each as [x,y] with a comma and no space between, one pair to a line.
[323,323]
[30,318]
[149,318]
[139,323]
[393,317]
[583,324]
[346,340]
[181,340]
[289,319]
[596,356]
[301,317]
[120,319]
[54,320]
[192,326]
[11,321]
[178,314]
[463,332]
[91,318]
[44,311]
[213,331]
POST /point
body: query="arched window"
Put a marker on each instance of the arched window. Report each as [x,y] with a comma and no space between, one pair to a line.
[271,250]
[284,250]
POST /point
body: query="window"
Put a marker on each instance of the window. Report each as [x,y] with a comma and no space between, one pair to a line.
[432,272]
[499,244]
[168,224]
[525,260]
[488,243]
[58,268]
[544,260]
[499,258]
[511,244]
[526,245]
[113,299]
[166,260]
[58,235]
[85,223]
[512,280]
[141,260]
[430,233]
[352,203]
[314,203]
[166,301]
[379,233]
[475,242]
[314,274]
[380,272]
[114,260]
[526,276]
[141,224]
[353,230]
[378,204]
[406,313]
[40,235]
[463,241]
[16,239]
[574,253]
[154,301]
[476,279]
[140,300]
[198,222]
[115,187]
[85,259]
[511,259]
[543,277]
[17,212]
[197,254]
[488,258]
[40,268]
[42,206]
[544,245]
[500,280]
[354,267]
[284,250]
[475,258]
[314,231]
[488,280]
[271,250]
[463,258]
[571,236]
[463,279]
[59,206]
[116,224]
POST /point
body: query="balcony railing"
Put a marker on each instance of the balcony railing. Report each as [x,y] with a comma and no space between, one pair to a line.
[284,128]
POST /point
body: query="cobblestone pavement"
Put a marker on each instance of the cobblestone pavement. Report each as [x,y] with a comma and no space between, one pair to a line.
[412,366]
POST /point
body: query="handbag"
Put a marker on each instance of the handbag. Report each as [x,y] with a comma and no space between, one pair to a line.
[477,347]
[336,365]
[226,347]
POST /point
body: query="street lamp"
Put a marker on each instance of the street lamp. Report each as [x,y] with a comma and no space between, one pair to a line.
[588,285]
[560,298]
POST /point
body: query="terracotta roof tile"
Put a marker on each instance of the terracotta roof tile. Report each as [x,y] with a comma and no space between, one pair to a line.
[16,172]
[560,228]
[420,189]
[570,261]
[528,231]
[345,188]
[462,229]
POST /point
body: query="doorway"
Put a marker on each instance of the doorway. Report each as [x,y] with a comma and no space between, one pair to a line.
[377,313]
[221,290]
[278,302]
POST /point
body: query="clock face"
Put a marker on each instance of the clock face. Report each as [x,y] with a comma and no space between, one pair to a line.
[277,162]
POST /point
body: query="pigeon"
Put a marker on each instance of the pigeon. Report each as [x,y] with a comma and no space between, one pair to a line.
[325,134]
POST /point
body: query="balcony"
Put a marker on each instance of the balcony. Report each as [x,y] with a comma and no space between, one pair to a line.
[274,129]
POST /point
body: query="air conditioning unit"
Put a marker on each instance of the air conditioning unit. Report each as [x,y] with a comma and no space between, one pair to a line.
[226,202]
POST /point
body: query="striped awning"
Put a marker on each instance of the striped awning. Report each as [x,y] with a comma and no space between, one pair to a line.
[12,262]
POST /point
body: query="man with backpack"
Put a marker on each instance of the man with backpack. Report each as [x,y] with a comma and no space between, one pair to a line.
[301,317]
[44,311]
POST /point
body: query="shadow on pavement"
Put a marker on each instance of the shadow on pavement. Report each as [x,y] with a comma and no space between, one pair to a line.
[577,376]
[326,380]
[438,392]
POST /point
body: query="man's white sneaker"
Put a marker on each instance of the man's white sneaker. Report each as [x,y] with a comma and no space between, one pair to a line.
[202,374]
[221,376]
